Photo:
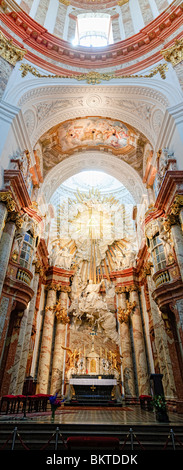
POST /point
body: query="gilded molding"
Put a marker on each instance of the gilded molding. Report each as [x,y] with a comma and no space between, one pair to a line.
[174,54]
[93,77]
[8,51]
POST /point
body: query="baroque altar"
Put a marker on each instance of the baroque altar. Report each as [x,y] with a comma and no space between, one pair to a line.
[92,389]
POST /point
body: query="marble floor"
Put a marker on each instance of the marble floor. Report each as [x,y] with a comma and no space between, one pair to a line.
[116,416]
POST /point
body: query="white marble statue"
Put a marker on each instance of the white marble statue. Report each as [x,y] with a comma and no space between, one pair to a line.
[92,307]
[60,257]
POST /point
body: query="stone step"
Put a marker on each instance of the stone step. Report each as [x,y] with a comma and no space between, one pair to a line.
[35,436]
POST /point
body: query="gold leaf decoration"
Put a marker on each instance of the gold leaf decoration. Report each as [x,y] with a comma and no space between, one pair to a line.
[93,77]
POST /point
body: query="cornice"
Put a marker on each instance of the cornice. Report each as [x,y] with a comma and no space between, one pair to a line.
[38,39]
[172,184]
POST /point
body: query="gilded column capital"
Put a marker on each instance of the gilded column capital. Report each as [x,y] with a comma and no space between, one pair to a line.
[133,287]
[7,198]
[66,289]
[9,51]
[174,53]
[58,287]
[51,286]
[120,289]
[16,218]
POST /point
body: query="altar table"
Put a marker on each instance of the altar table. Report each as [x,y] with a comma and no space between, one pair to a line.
[92,389]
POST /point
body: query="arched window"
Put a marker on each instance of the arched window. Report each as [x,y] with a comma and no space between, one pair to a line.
[158,253]
[93,30]
[27,250]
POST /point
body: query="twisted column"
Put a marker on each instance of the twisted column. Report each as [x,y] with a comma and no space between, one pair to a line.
[139,345]
[46,345]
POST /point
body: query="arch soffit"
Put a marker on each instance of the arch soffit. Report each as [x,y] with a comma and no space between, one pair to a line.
[90,160]
[139,104]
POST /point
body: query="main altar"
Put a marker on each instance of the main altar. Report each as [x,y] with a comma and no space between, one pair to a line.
[96,384]
[93,389]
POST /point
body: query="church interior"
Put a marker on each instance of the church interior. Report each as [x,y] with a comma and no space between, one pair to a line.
[91,211]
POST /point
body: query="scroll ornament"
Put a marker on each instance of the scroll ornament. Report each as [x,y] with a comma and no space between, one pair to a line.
[124,315]
[60,313]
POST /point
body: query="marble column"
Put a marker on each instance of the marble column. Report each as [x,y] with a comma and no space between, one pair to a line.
[27,337]
[46,345]
[161,343]
[17,356]
[58,355]
[5,250]
[126,352]
[139,347]
[177,238]
[40,308]
[181,217]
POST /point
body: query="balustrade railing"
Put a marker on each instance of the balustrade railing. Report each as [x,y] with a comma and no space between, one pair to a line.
[23,276]
[161,278]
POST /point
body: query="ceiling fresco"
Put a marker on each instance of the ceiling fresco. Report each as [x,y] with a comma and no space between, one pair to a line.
[89,133]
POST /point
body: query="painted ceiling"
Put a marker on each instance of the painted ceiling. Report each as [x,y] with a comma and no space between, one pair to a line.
[90,133]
